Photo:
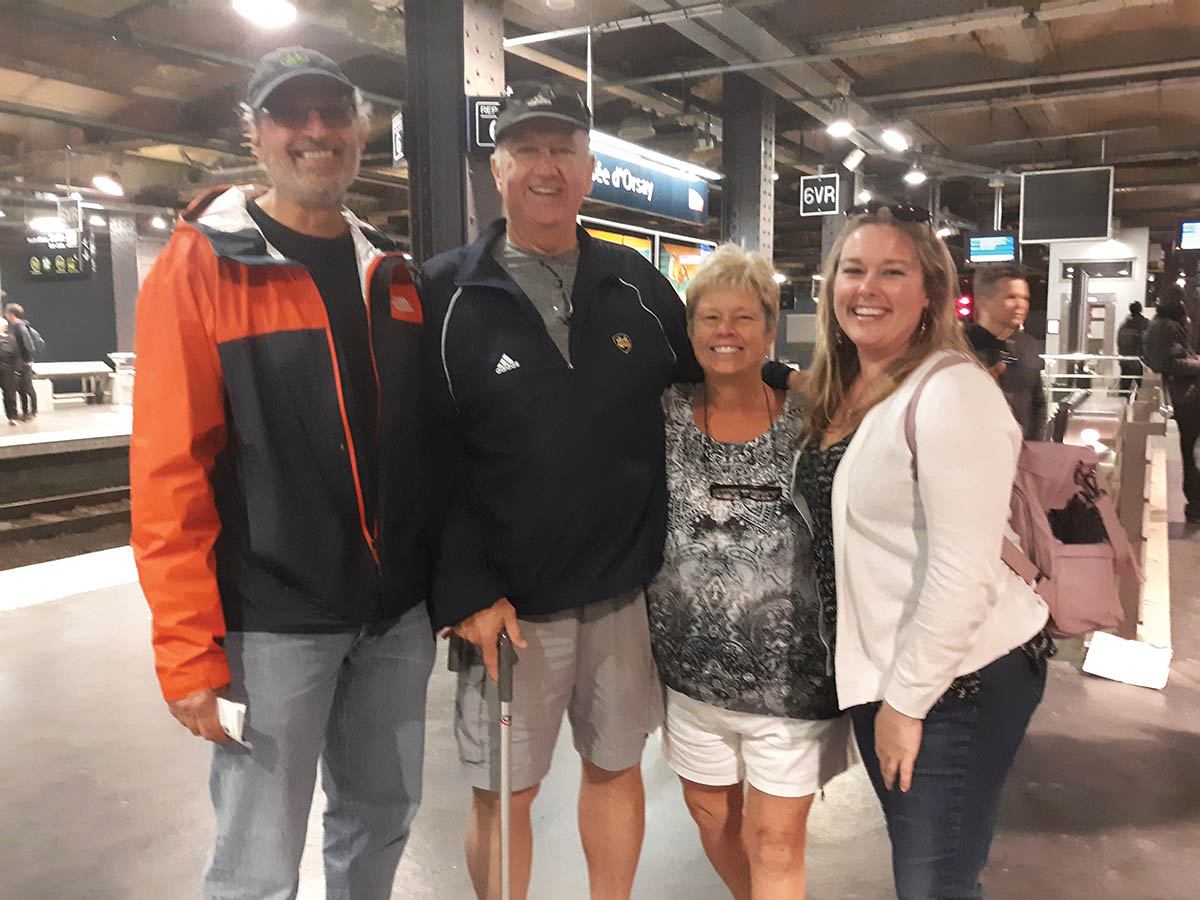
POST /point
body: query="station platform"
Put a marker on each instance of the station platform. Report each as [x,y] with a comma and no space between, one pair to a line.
[68,428]
[105,796]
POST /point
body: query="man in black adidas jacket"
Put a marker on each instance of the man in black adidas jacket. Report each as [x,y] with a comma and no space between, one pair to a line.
[555,348]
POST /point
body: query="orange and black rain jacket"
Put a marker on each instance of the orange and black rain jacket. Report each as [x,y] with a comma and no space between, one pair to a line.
[248,512]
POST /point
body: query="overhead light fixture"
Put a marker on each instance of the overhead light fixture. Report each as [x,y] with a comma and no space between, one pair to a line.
[107,183]
[840,128]
[894,140]
[559,5]
[854,159]
[915,175]
[864,196]
[945,231]
[636,127]
[158,222]
[266,13]
[98,221]
[774,176]
[2,214]
[780,278]
[47,224]
[651,159]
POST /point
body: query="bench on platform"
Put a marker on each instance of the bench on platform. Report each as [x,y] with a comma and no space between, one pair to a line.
[94,378]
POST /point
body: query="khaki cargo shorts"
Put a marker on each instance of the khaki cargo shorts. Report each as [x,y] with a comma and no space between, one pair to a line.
[594,664]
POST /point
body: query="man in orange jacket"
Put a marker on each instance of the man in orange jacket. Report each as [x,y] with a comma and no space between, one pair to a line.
[285,559]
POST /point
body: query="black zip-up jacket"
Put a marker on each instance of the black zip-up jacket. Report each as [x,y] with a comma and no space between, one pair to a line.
[562,497]
[247,500]
[1165,349]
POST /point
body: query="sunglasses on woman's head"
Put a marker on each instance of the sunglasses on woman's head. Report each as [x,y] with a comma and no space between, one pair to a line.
[901,212]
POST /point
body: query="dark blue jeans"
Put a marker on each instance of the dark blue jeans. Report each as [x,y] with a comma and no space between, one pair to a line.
[941,829]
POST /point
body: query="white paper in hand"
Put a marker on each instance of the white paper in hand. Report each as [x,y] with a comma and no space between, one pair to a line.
[232,717]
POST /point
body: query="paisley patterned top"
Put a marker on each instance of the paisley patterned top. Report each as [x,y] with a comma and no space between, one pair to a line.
[735,615]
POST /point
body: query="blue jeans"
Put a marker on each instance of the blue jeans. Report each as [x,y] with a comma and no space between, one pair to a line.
[355,701]
[941,829]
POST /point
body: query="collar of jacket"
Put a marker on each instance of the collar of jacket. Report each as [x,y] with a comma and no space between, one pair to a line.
[221,216]
[480,269]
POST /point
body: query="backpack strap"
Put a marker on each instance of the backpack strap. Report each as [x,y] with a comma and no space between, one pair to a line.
[1012,555]
[910,413]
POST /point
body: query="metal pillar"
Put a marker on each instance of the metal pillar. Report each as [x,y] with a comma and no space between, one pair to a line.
[454,48]
[122,237]
[748,158]
[831,226]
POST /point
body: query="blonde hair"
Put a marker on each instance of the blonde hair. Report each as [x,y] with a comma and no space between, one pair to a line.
[835,361]
[729,266]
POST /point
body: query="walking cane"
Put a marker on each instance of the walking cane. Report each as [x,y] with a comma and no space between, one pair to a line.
[506,694]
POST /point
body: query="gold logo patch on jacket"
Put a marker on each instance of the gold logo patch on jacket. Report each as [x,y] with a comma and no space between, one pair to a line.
[623,342]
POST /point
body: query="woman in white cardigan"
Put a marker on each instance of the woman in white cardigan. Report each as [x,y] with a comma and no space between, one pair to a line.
[940,651]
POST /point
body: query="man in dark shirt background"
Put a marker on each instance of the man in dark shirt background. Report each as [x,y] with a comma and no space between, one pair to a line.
[1129,343]
[1002,302]
[1167,351]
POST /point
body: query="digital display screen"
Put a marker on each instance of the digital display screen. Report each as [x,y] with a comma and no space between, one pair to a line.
[1189,236]
[1066,205]
[986,248]
[642,245]
[679,261]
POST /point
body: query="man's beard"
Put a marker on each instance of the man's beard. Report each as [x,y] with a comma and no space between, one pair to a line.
[320,193]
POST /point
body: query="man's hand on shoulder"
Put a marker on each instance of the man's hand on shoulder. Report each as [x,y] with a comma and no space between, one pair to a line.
[483,630]
[197,712]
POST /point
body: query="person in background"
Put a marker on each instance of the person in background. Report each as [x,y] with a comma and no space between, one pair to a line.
[284,556]
[22,334]
[941,653]
[1129,343]
[1001,303]
[741,631]
[555,351]
[9,361]
[1166,350]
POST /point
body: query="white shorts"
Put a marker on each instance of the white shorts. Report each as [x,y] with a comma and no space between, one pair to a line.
[779,756]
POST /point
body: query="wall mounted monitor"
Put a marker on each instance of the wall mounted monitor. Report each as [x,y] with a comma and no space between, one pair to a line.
[999,246]
[1189,236]
[1066,205]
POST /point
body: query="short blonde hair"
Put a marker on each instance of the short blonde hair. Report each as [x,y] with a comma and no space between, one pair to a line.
[729,266]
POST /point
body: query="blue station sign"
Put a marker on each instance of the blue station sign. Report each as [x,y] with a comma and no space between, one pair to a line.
[649,189]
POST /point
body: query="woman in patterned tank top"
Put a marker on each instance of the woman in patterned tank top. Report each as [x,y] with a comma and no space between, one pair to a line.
[740,632]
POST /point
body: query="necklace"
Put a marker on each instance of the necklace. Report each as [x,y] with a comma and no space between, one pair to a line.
[759,493]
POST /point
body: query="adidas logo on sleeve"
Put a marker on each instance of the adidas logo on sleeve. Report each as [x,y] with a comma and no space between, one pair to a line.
[506,364]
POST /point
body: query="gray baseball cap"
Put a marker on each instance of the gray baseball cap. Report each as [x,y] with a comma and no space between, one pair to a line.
[540,100]
[284,64]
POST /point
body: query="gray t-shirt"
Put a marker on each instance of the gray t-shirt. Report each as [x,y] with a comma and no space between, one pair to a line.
[547,281]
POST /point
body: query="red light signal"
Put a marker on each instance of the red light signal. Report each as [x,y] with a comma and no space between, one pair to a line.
[965,308]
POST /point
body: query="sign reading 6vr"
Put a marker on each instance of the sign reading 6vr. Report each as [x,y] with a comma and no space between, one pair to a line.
[819,195]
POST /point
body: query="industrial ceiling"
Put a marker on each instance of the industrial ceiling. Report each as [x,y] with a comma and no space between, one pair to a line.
[148,89]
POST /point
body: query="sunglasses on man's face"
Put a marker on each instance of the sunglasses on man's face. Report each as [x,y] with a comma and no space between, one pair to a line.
[901,212]
[337,113]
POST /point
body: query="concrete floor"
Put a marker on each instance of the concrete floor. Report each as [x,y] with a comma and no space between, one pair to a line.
[104,795]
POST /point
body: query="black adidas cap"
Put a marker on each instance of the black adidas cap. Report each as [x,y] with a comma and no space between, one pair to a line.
[540,100]
[284,64]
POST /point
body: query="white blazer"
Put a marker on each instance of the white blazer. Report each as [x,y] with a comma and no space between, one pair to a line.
[922,595]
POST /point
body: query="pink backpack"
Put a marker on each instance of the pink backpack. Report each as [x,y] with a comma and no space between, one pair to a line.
[1075,550]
